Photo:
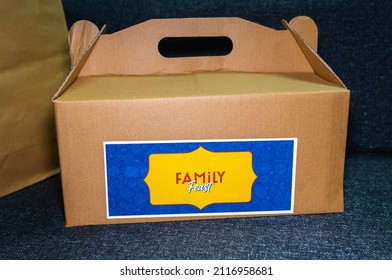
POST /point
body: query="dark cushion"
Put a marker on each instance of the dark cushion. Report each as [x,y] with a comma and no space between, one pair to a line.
[32,227]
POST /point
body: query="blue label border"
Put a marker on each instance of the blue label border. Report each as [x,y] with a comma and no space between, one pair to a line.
[242,213]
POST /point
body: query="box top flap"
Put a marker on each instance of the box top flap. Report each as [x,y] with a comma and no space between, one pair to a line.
[255,49]
[319,66]
[80,49]
[134,51]
[98,88]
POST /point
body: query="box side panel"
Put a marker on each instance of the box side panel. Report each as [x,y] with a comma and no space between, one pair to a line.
[319,121]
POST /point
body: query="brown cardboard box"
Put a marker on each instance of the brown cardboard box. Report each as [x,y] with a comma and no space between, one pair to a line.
[260,131]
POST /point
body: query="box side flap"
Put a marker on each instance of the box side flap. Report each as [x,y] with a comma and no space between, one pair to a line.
[80,35]
[319,66]
[134,51]
[79,57]
[307,28]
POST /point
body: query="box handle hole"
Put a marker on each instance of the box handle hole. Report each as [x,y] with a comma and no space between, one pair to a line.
[171,47]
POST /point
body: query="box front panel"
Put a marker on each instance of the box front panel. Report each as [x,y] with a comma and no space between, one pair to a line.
[158,179]
[318,121]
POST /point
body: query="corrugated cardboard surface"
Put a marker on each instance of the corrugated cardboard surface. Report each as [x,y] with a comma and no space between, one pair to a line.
[198,84]
[34,59]
[252,45]
[208,109]
[116,98]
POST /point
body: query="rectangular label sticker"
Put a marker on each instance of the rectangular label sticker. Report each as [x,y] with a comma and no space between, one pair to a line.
[200,177]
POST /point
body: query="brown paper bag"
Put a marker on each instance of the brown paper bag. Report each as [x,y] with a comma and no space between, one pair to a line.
[34,60]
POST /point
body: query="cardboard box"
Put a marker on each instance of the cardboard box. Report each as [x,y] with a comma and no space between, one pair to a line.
[142,137]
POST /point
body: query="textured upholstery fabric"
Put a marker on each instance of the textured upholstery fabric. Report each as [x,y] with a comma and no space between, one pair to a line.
[32,227]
